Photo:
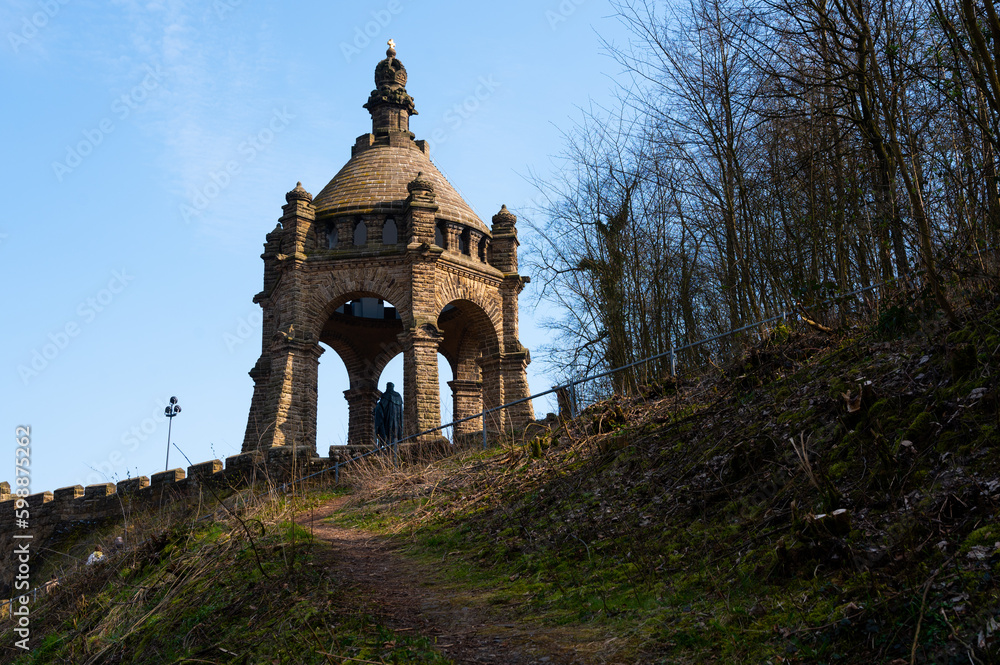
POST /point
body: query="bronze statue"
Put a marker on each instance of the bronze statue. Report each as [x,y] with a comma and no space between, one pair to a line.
[388,417]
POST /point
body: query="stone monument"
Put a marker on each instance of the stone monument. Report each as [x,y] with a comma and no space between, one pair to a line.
[387,259]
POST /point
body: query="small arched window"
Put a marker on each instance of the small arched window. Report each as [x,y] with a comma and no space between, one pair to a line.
[464,241]
[439,237]
[332,237]
[390,233]
[482,249]
[360,233]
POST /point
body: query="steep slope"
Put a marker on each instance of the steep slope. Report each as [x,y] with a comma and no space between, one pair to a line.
[830,499]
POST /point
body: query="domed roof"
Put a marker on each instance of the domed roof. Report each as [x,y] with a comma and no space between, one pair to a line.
[375,181]
[384,162]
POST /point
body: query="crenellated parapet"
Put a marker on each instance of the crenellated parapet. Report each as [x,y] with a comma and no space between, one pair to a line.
[53,514]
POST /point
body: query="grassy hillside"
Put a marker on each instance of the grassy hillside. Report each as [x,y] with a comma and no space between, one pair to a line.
[828,499]
[248,586]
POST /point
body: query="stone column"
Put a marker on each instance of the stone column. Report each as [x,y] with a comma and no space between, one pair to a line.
[361,400]
[257,421]
[505,242]
[493,392]
[515,384]
[345,232]
[421,206]
[299,220]
[453,231]
[421,398]
[467,399]
[294,375]
[374,225]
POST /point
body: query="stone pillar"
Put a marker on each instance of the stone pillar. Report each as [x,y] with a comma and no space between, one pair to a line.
[515,385]
[421,207]
[273,415]
[258,420]
[345,232]
[516,358]
[293,386]
[421,398]
[467,399]
[361,400]
[505,242]
[493,392]
[453,231]
[374,225]
[299,220]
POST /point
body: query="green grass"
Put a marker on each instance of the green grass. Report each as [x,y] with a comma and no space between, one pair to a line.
[197,593]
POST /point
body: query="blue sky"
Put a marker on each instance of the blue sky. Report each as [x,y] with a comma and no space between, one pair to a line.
[148,148]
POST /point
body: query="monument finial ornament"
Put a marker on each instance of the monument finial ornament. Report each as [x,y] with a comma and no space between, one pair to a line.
[420,184]
[298,194]
[504,218]
[390,72]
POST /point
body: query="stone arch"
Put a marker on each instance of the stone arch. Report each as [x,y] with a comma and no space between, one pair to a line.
[471,343]
[454,288]
[344,286]
[478,329]
[365,341]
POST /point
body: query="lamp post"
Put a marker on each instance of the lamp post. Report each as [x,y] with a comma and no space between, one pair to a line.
[172,410]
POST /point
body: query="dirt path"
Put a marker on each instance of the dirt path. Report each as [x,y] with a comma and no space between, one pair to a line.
[409,596]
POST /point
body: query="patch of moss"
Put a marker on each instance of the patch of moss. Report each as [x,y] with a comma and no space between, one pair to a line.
[793,417]
[963,336]
[920,429]
[837,389]
[838,470]
[985,536]
[947,441]
[878,409]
